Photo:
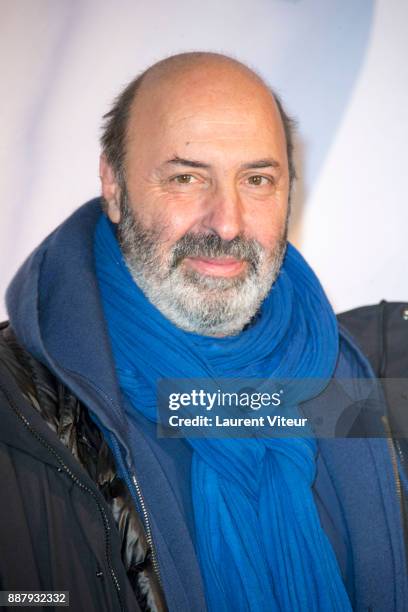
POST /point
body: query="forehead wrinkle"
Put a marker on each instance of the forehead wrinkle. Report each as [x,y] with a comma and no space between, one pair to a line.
[211,110]
[219,117]
[213,139]
[198,130]
[171,106]
[213,121]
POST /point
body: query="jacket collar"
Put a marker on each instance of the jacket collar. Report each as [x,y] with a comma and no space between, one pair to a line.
[55,311]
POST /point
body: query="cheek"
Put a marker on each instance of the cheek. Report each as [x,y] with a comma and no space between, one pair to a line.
[267,225]
[172,215]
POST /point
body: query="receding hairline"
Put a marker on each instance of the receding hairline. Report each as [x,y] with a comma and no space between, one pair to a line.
[116,124]
[183,64]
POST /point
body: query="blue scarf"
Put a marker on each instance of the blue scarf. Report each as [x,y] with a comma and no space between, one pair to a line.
[259,539]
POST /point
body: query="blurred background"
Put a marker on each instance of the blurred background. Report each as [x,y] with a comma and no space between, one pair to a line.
[340,67]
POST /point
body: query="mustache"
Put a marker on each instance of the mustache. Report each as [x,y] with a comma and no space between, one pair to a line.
[212,245]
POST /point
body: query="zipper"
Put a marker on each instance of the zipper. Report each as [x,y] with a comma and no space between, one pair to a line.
[394,451]
[149,535]
[393,454]
[403,508]
[136,492]
[81,485]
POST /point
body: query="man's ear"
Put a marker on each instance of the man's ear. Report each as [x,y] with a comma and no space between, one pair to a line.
[110,189]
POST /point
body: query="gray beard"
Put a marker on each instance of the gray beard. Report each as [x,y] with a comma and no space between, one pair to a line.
[198,303]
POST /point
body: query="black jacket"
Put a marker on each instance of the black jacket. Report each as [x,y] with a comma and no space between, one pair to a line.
[381,330]
[68,514]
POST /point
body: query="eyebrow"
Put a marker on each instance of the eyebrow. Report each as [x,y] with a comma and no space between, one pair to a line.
[192,163]
[261,163]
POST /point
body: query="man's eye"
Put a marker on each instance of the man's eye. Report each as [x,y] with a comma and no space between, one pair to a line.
[259,181]
[183,179]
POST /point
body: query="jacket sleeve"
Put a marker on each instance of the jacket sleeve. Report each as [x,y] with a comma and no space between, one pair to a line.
[55,529]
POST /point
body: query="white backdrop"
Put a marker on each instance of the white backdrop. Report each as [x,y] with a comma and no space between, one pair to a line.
[340,66]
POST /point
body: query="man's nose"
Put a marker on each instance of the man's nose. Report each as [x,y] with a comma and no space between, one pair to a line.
[224,213]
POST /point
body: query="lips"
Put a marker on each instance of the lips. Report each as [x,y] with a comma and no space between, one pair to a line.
[219,266]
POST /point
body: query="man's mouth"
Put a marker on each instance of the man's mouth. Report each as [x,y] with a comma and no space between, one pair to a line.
[216,266]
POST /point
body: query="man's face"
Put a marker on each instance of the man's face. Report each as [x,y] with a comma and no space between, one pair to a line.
[203,214]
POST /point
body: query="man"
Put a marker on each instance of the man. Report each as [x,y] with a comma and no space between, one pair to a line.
[186,275]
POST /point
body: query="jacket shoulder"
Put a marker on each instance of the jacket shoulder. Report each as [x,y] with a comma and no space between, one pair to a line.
[53,520]
[381,331]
